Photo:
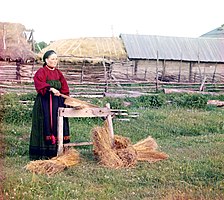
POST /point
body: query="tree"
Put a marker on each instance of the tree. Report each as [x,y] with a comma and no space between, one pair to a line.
[39,46]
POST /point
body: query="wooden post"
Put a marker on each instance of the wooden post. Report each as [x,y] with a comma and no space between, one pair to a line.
[190,72]
[110,125]
[60,132]
[157,71]
[164,69]
[4,37]
[180,67]
[82,71]
[199,68]
[213,77]
[202,84]
[105,76]
[135,68]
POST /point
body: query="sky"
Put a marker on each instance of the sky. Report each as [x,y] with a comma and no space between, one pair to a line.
[66,19]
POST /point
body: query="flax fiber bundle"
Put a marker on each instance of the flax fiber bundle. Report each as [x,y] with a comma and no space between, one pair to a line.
[146,150]
[55,164]
[121,153]
[113,156]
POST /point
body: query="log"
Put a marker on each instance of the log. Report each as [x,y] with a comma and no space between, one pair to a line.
[169,91]
[216,103]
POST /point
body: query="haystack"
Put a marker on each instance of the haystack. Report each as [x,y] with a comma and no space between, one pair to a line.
[13,42]
[55,164]
[120,152]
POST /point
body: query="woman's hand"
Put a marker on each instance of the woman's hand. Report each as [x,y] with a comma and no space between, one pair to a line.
[56,92]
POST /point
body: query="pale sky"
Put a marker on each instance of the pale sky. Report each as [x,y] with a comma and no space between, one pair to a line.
[66,19]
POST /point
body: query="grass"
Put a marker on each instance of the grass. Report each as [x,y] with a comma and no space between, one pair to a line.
[193,138]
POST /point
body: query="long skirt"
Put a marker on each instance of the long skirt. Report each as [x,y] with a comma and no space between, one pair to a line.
[44,126]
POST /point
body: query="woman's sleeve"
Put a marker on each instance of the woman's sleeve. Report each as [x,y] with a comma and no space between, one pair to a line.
[40,82]
[64,85]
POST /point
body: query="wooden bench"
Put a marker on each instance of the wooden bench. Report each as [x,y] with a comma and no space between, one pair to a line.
[85,112]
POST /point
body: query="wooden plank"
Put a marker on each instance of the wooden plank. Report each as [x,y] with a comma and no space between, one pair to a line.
[121,114]
[216,103]
[75,144]
[123,119]
[85,112]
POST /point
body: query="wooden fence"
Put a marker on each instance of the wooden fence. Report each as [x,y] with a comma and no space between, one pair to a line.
[98,80]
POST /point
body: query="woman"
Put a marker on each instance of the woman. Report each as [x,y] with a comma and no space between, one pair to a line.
[49,83]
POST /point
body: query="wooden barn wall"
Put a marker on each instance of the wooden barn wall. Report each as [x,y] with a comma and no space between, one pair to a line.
[169,71]
[10,71]
[7,71]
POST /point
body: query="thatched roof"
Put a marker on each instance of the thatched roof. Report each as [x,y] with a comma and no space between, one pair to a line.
[13,43]
[88,48]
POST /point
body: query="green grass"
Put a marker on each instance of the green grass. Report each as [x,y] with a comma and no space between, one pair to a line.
[193,138]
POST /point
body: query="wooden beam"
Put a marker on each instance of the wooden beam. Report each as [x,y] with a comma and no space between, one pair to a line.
[76,144]
[85,112]
[60,134]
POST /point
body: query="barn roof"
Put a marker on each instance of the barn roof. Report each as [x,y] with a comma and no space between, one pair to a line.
[13,43]
[173,48]
[89,48]
[216,33]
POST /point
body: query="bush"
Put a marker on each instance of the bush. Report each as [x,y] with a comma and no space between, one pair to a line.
[12,111]
[188,100]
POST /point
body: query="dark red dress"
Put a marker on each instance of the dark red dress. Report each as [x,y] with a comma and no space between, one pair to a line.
[43,138]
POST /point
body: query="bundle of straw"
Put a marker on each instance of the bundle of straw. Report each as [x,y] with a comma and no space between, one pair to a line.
[121,142]
[102,148]
[55,164]
[128,156]
[146,150]
[118,154]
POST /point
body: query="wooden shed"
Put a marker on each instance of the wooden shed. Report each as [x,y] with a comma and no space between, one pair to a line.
[16,55]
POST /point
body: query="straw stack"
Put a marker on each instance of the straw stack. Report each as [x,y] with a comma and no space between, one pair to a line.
[55,164]
[120,152]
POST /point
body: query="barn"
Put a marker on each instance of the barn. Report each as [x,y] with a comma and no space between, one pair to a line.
[175,59]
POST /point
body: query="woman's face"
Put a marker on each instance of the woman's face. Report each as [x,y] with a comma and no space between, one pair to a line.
[52,60]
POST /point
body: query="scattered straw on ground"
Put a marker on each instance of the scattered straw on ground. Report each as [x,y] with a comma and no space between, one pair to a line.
[121,153]
[54,165]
